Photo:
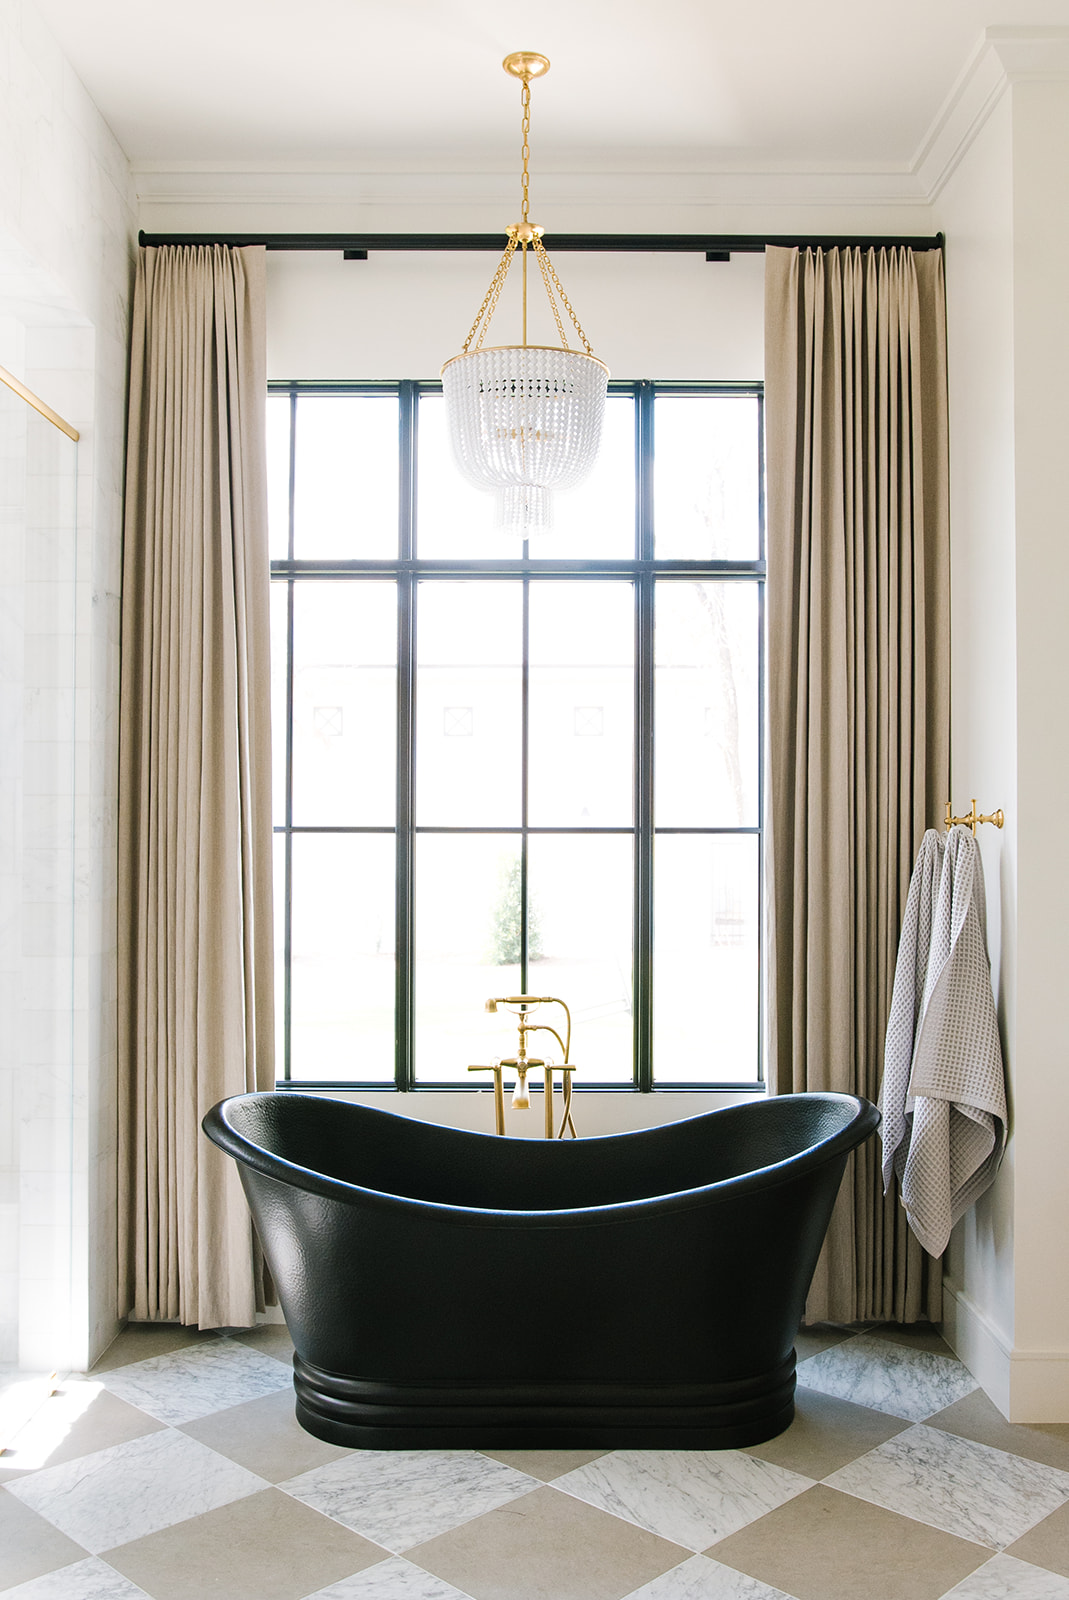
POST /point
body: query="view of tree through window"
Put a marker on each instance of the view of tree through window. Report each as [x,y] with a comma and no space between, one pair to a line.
[505,767]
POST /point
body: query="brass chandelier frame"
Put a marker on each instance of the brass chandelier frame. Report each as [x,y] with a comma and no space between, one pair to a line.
[524,236]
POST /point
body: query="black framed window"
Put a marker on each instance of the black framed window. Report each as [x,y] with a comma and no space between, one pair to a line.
[507,767]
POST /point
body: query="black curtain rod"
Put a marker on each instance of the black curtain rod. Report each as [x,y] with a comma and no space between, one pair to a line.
[715,246]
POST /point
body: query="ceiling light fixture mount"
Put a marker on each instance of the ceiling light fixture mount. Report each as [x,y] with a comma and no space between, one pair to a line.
[525,419]
[526,64]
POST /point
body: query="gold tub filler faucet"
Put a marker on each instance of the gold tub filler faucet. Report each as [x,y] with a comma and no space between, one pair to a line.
[521,1005]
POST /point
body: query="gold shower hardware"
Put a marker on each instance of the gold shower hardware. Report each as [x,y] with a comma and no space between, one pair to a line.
[566,1071]
[522,1063]
[499,1093]
[972,819]
[521,1097]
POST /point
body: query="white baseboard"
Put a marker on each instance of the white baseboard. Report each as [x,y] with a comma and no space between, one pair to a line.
[977,1342]
[1026,1385]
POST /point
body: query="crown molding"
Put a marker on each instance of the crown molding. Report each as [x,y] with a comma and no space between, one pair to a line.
[492,195]
[255,194]
[1003,57]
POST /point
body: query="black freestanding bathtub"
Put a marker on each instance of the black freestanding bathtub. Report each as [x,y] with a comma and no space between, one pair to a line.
[452,1289]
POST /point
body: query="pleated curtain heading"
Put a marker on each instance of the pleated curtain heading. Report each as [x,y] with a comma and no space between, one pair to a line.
[195,923]
[859,697]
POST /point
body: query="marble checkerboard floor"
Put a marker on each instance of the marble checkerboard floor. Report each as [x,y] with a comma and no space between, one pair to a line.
[176,1471]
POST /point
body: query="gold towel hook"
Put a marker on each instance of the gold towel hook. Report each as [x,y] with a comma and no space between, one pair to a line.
[972,819]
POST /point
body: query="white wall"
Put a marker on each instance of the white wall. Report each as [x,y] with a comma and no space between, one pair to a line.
[66,226]
[402,315]
[1041,360]
[976,212]
[1006,212]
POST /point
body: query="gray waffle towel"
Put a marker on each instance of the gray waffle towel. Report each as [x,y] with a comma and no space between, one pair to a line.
[943,1096]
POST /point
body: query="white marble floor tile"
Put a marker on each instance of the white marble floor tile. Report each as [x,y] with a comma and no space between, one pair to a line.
[1006,1578]
[692,1497]
[399,1498]
[888,1377]
[955,1484]
[85,1580]
[201,1378]
[702,1579]
[396,1579]
[132,1489]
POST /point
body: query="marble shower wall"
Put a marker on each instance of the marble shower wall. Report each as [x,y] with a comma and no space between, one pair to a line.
[67,229]
[40,960]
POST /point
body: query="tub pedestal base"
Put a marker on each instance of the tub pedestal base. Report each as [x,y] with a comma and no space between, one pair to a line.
[500,1415]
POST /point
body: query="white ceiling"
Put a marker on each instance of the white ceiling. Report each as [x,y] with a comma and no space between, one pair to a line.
[416,85]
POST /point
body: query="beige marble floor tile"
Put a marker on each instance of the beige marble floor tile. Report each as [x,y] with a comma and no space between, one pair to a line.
[265,1436]
[820,1336]
[91,1579]
[193,1382]
[273,1338]
[702,1579]
[828,1546]
[401,1498]
[826,1434]
[266,1547]
[545,1464]
[547,1546]
[393,1579]
[691,1497]
[977,1417]
[131,1490]
[140,1340]
[29,1545]
[914,1335]
[1047,1544]
[1006,1578]
[81,1417]
[964,1488]
[888,1377]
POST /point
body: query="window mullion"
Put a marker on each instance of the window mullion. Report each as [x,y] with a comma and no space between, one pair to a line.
[643,935]
[406,726]
[287,910]
[405,909]
[525,724]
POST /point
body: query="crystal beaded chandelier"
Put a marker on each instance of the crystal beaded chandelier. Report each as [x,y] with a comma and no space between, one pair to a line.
[525,419]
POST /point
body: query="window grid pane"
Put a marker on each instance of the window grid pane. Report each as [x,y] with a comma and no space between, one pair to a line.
[344,704]
[531,692]
[346,477]
[342,971]
[706,759]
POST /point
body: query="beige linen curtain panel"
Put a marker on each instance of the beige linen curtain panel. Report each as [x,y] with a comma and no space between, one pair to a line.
[859,698]
[195,926]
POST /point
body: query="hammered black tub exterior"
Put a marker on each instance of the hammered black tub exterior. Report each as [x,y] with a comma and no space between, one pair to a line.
[453,1289]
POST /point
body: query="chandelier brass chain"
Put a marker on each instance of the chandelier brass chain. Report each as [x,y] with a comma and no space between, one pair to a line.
[545,266]
[525,151]
[525,419]
[524,234]
[490,298]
